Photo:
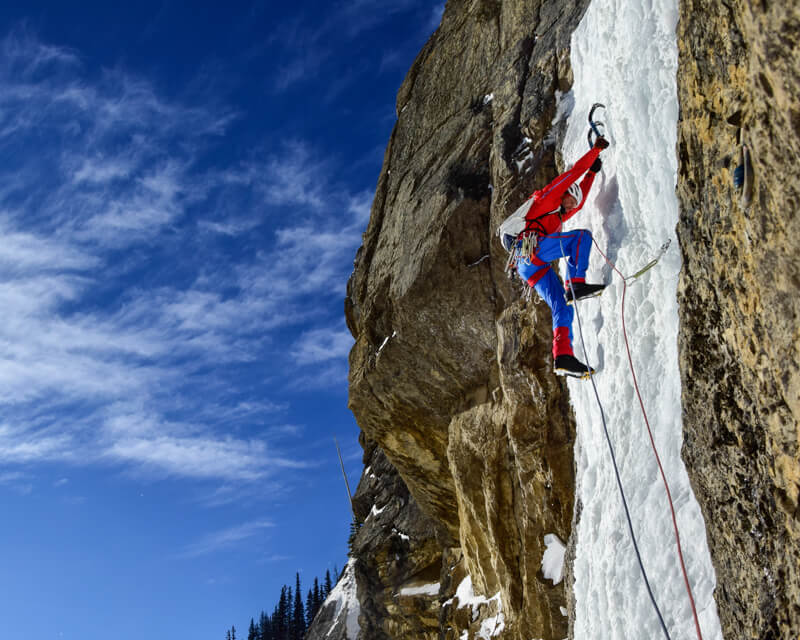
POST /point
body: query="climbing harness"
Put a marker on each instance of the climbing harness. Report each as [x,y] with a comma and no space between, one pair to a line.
[518,236]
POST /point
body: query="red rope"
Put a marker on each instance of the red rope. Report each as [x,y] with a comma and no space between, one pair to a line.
[653,443]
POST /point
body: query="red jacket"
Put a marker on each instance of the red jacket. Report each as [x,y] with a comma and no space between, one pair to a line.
[544,217]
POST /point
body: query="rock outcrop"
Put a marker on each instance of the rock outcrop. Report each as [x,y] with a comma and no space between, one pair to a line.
[740,343]
[399,552]
[449,375]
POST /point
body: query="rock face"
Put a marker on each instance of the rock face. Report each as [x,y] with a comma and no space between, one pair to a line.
[740,343]
[451,373]
[398,551]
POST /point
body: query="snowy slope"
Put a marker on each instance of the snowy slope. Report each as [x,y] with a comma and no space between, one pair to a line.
[624,54]
[338,617]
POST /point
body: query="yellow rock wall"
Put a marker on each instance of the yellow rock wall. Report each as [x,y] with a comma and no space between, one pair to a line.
[739,79]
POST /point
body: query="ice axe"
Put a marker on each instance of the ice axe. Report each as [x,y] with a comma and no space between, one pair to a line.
[594,125]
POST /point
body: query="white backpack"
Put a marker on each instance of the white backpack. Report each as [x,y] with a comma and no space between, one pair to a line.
[514,225]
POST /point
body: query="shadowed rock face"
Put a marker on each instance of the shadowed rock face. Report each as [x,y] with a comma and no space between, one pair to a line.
[451,374]
[399,551]
[740,348]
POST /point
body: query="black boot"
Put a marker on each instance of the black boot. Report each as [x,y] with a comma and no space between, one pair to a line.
[571,366]
[583,290]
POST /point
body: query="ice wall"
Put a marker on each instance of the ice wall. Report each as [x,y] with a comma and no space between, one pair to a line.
[624,54]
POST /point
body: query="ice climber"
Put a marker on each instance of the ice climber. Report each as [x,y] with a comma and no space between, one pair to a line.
[535,239]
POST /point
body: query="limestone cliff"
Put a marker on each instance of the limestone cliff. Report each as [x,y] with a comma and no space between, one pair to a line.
[740,342]
[449,376]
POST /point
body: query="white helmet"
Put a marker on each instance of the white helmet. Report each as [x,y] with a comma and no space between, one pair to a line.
[575,191]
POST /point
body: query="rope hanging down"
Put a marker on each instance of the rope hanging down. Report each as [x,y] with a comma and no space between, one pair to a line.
[647,423]
[616,468]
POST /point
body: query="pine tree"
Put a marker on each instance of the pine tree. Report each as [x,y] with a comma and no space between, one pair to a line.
[264,627]
[298,615]
[290,631]
[290,619]
[355,526]
[318,599]
[309,608]
[328,586]
[275,623]
[281,625]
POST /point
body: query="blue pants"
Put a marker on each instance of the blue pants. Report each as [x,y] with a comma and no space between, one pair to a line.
[576,246]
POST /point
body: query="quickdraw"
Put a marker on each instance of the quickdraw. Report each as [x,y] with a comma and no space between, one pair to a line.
[523,250]
[511,264]
[529,243]
[650,264]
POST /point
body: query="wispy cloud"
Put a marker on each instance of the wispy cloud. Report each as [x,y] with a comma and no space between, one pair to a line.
[231,227]
[26,55]
[26,252]
[226,539]
[17,482]
[331,376]
[272,559]
[200,457]
[302,66]
[435,18]
[19,446]
[344,25]
[322,345]
[292,177]
[358,16]
[137,274]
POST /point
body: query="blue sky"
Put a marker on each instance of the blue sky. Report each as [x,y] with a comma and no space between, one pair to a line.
[183,188]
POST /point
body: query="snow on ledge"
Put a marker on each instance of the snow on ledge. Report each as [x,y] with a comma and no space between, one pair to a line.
[553,558]
[423,590]
[492,626]
[374,512]
[466,597]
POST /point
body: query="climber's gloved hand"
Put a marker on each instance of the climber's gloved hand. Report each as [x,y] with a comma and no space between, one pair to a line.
[601,143]
[596,165]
